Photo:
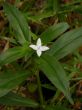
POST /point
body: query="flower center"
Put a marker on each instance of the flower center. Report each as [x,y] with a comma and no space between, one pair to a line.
[39,48]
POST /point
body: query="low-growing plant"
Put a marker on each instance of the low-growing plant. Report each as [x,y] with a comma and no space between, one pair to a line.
[28,55]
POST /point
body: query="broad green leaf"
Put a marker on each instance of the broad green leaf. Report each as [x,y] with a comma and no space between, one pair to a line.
[57,107]
[67,43]
[9,80]
[55,73]
[13,54]
[12,99]
[18,23]
[53,32]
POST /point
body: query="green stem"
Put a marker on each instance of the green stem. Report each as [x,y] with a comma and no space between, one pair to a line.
[40,89]
[55,97]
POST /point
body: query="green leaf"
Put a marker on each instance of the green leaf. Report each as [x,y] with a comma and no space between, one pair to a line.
[57,107]
[67,43]
[12,99]
[39,16]
[18,23]
[53,5]
[13,54]
[9,80]
[53,32]
[55,73]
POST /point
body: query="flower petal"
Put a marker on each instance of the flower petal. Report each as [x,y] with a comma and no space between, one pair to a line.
[39,42]
[34,47]
[39,52]
[44,48]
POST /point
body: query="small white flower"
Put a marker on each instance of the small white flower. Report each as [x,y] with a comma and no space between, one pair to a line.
[39,48]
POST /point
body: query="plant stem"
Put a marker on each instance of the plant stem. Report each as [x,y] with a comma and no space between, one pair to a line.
[55,97]
[40,89]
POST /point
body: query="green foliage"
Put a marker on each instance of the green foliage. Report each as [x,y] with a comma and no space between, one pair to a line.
[67,43]
[53,32]
[53,5]
[18,23]
[57,107]
[18,63]
[52,69]
[12,99]
[13,54]
[9,80]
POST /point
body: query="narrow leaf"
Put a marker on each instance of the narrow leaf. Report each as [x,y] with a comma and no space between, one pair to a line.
[13,54]
[12,99]
[9,80]
[55,73]
[67,43]
[18,23]
[53,5]
[57,107]
[53,32]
